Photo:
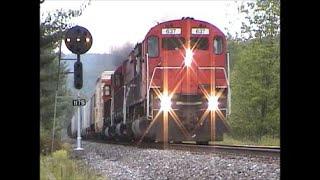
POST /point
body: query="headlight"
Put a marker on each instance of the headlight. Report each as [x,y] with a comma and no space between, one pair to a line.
[213,103]
[165,103]
[188,58]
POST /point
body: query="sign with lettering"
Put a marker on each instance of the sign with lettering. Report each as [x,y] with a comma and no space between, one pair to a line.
[199,31]
[171,31]
[79,102]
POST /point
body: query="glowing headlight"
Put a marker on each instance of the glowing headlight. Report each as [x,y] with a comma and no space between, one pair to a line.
[165,103]
[213,103]
[188,58]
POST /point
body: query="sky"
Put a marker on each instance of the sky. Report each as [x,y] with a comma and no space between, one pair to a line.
[113,23]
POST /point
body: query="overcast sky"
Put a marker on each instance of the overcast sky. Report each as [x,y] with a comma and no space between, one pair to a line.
[113,23]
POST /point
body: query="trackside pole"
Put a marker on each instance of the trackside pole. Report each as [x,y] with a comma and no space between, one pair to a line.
[79,128]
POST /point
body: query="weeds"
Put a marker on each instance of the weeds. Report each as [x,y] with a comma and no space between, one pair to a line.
[58,166]
[264,141]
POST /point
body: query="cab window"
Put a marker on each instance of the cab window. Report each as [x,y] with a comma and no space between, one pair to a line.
[217,45]
[199,43]
[117,79]
[153,46]
[106,90]
[137,66]
[94,100]
[172,43]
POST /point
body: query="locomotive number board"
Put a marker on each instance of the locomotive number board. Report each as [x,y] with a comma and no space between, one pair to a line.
[199,31]
[171,31]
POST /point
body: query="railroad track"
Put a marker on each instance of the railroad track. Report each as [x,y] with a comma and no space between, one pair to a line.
[234,149]
[211,148]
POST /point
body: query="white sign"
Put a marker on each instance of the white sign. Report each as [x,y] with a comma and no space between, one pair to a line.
[171,31]
[199,31]
[79,102]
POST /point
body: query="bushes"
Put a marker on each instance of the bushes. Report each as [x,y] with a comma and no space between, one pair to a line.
[255,73]
[46,142]
[58,165]
[67,147]
[256,91]
[263,141]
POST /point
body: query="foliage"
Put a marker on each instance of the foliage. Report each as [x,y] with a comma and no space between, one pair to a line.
[264,141]
[255,74]
[67,147]
[255,90]
[262,19]
[233,49]
[46,140]
[60,166]
[52,29]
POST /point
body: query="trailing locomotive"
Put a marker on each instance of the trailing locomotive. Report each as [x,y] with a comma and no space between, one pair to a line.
[172,87]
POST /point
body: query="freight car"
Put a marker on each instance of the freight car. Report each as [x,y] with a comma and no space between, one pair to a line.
[172,87]
[93,113]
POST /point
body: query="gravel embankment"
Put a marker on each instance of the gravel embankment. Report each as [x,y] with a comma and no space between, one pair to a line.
[125,162]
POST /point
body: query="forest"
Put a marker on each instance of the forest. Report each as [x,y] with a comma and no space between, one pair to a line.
[255,73]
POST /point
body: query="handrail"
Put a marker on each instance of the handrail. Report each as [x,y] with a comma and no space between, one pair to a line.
[179,67]
[148,87]
[229,88]
[176,67]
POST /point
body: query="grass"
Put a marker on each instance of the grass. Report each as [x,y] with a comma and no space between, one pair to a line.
[264,141]
[58,166]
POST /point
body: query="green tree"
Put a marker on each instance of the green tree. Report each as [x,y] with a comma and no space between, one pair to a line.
[255,74]
[52,29]
[262,19]
[255,90]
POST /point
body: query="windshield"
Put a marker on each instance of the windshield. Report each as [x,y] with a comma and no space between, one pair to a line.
[199,43]
[172,43]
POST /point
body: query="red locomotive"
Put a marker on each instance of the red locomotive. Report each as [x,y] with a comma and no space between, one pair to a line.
[173,86]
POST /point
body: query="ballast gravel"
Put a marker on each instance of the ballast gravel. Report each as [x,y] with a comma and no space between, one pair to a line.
[128,162]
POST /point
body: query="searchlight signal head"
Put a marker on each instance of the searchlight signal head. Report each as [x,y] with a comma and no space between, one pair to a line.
[78,40]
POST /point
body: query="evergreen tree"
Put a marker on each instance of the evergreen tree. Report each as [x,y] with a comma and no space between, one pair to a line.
[52,29]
